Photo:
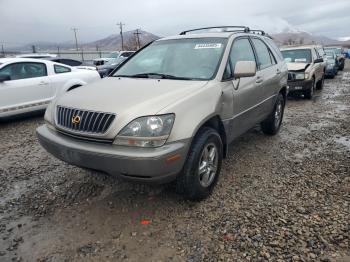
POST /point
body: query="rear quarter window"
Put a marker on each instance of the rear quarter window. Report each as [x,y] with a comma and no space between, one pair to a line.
[274,49]
[61,69]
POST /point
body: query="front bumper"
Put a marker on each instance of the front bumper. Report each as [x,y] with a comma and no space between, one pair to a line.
[299,85]
[138,164]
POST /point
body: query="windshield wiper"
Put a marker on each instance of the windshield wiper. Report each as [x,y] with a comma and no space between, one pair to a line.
[156,75]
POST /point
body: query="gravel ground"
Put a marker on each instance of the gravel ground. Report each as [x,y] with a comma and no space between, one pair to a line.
[281,198]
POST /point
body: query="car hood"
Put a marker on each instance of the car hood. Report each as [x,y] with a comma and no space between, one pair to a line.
[297,66]
[129,98]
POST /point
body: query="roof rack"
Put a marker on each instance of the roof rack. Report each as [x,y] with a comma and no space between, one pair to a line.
[244,29]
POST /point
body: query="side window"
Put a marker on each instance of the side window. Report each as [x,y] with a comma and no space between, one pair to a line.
[61,69]
[70,62]
[241,51]
[25,70]
[275,48]
[263,53]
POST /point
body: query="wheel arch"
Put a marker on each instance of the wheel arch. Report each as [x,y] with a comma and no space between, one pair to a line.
[216,123]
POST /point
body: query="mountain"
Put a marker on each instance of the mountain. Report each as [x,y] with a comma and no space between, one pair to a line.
[299,37]
[112,42]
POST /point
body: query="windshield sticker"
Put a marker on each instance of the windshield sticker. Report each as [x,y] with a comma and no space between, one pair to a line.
[202,46]
[300,60]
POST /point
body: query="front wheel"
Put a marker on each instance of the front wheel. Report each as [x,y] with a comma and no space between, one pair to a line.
[272,124]
[308,94]
[203,165]
[320,83]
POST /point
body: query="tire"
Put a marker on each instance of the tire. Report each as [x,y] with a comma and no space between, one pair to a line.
[271,125]
[320,83]
[308,94]
[196,185]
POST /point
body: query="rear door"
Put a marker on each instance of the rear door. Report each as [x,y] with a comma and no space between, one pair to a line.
[269,75]
[29,86]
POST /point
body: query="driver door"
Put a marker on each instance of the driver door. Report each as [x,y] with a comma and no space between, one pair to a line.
[29,86]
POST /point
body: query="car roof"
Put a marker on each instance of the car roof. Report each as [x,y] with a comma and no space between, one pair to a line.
[19,59]
[298,47]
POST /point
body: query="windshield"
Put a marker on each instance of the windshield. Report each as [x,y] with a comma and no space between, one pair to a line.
[330,54]
[337,51]
[113,55]
[297,55]
[115,61]
[194,59]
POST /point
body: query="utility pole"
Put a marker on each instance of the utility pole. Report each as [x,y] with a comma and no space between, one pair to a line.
[137,33]
[2,50]
[76,39]
[58,51]
[121,33]
[33,49]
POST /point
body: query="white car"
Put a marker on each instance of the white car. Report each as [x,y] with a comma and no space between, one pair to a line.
[30,84]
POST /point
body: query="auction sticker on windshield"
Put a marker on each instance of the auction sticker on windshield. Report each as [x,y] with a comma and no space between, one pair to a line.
[208,45]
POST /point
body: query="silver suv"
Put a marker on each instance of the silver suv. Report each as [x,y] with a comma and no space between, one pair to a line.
[169,112]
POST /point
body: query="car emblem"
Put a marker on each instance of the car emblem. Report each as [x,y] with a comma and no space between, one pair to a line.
[76,120]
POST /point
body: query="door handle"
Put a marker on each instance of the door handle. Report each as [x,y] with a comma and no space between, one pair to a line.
[42,83]
[259,80]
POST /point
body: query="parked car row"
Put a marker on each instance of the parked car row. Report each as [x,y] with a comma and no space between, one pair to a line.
[309,65]
[168,112]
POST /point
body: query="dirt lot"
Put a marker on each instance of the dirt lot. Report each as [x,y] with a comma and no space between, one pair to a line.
[281,198]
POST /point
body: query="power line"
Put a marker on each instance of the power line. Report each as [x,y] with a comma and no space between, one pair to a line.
[121,33]
[137,33]
[75,35]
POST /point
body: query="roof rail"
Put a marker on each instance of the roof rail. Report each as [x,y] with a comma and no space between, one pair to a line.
[244,29]
[255,31]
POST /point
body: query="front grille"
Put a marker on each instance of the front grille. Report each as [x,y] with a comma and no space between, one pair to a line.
[89,121]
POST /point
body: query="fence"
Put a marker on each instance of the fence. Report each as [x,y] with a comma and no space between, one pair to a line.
[83,55]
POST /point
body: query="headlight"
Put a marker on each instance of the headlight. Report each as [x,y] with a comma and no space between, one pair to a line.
[147,131]
[330,65]
[299,76]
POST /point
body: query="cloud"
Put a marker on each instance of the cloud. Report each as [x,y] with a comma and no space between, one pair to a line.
[26,21]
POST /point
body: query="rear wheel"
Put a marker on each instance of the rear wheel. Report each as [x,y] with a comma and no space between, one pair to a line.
[202,167]
[272,124]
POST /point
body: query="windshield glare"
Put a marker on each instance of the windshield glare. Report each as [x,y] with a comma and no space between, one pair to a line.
[297,56]
[196,58]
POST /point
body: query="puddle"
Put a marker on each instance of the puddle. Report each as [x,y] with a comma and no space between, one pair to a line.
[345,141]
[15,191]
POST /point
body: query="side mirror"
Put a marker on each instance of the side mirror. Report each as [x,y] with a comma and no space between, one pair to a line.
[318,60]
[244,69]
[4,77]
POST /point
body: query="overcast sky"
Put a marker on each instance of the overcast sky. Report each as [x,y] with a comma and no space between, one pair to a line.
[24,21]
